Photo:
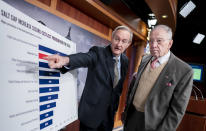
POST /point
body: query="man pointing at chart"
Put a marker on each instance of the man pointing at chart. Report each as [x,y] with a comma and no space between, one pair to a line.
[107,68]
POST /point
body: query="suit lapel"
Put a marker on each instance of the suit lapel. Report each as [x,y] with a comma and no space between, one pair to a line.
[140,70]
[123,67]
[109,62]
[165,76]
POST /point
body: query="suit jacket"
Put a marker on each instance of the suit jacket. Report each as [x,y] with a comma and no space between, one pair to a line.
[98,95]
[168,99]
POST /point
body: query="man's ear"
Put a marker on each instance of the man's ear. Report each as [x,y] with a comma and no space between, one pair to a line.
[170,44]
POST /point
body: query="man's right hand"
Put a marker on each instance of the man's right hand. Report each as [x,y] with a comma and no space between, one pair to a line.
[57,61]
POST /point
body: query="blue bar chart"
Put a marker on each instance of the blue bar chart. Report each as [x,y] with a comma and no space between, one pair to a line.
[34,97]
[48,95]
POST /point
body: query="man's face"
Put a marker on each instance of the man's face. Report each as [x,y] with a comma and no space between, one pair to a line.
[159,42]
[120,42]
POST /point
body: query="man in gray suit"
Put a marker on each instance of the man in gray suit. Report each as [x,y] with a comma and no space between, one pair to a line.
[159,93]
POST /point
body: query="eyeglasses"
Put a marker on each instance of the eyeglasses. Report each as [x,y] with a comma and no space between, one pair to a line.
[159,41]
[117,40]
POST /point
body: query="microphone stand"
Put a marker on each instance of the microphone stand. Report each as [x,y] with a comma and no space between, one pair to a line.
[196,98]
[199,91]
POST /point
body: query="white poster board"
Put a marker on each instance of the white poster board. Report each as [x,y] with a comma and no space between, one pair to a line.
[33,97]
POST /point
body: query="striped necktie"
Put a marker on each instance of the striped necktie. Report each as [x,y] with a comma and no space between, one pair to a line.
[116,72]
[153,63]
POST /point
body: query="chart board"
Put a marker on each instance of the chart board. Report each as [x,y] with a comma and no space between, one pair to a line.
[33,97]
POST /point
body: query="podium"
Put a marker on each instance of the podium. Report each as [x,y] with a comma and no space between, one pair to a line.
[195,116]
[74,126]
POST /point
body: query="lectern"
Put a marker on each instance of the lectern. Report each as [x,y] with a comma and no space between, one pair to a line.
[74,126]
[195,116]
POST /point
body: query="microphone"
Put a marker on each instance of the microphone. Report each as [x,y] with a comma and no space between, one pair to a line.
[199,91]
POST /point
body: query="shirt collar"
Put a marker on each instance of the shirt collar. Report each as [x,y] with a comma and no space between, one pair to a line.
[164,58]
[117,58]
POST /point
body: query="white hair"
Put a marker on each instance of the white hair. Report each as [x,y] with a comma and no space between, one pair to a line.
[123,28]
[166,28]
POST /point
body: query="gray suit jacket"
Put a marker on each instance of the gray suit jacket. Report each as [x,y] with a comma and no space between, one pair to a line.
[168,99]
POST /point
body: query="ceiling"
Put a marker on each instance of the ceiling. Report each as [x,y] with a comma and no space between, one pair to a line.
[185,29]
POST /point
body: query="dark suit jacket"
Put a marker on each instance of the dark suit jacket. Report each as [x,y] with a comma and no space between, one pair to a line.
[168,99]
[98,95]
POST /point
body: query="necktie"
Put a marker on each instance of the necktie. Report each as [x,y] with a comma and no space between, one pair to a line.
[153,63]
[116,73]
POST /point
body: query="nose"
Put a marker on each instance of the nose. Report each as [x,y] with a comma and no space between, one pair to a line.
[153,44]
[119,43]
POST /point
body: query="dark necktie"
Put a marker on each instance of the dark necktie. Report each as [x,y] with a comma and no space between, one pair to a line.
[116,73]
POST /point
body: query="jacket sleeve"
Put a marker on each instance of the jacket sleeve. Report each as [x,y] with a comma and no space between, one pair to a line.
[81,60]
[178,104]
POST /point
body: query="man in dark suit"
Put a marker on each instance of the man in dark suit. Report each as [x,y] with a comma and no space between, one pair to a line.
[159,93]
[100,98]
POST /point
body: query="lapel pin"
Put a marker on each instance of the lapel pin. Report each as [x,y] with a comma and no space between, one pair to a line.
[169,84]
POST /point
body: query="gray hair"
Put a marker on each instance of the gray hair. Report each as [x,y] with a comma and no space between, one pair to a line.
[166,28]
[123,28]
